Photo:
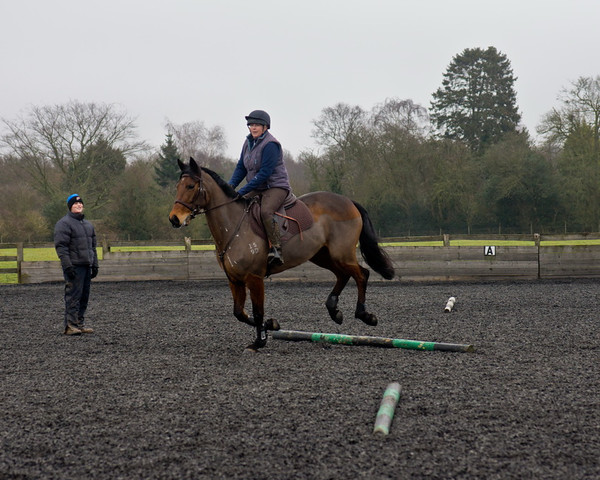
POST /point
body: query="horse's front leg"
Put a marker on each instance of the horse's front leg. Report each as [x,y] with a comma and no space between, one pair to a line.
[256,286]
[238,291]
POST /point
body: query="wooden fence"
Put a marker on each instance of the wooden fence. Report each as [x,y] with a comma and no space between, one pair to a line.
[18,259]
[413,263]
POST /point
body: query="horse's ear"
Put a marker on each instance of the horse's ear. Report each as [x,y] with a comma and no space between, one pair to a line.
[181,165]
[194,166]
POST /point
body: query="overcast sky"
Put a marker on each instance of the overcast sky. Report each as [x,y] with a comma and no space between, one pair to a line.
[216,60]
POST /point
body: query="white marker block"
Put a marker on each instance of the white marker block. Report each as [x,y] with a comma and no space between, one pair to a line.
[450,304]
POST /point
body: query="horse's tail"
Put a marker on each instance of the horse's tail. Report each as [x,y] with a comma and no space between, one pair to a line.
[374,255]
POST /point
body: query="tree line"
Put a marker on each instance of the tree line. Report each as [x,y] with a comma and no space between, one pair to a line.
[463,165]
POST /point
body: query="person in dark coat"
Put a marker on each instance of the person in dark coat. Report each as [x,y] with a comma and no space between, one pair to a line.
[75,243]
[261,164]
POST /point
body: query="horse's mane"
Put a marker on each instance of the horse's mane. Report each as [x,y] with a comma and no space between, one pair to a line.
[228,189]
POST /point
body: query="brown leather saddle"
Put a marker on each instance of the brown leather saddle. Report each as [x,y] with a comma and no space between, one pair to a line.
[293,218]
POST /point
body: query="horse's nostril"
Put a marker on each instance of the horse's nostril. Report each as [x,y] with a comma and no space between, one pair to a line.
[174,220]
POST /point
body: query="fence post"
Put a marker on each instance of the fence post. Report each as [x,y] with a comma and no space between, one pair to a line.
[537,239]
[19,260]
[105,246]
[446,240]
[188,250]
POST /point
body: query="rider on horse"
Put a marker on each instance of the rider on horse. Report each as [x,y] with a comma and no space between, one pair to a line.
[261,163]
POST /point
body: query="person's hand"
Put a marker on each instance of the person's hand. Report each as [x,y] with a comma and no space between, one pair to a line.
[70,272]
[94,272]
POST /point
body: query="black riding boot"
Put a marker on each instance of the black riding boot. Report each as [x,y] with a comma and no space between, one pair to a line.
[275,256]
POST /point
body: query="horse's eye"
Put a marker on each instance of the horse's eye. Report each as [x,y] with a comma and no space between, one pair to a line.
[189,187]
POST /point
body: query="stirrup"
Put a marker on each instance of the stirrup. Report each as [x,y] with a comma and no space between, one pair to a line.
[274,257]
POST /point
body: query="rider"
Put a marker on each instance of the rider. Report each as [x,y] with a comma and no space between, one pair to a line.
[261,163]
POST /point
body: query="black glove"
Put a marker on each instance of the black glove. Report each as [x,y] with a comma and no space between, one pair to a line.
[94,272]
[70,272]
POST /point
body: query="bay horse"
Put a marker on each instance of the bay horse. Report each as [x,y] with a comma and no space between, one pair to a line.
[338,225]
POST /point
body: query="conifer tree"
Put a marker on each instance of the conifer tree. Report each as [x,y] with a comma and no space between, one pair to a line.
[476,103]
[166,168]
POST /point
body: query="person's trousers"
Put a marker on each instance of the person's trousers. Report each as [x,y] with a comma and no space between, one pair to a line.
[77,294]
[270,201]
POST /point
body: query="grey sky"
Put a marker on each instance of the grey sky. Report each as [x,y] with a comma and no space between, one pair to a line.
[215,60]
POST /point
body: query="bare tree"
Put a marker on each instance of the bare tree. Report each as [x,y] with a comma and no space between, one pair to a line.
[580,105]
[395,115]
[51,142]
[194,139]
[339,125]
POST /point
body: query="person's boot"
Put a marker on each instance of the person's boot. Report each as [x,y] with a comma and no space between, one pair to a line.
[72,330]
[81,326]
[274,257]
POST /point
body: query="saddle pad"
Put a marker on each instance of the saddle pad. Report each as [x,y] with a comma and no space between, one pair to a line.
[292,220]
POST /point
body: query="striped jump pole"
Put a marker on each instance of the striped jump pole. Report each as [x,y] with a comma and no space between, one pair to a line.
[385,414]
[294,336]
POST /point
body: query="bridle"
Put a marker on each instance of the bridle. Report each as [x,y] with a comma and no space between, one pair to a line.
[192,207]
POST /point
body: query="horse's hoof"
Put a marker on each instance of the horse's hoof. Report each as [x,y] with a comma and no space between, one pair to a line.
[368,318]
[272,324]
[337,316]
[251,349]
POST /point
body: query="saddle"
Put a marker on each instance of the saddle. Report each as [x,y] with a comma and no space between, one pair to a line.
[293,218]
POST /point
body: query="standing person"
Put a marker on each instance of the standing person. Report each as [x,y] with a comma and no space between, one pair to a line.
[75,243]
[261,163]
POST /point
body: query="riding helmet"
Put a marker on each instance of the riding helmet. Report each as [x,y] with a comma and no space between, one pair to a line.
[259,116]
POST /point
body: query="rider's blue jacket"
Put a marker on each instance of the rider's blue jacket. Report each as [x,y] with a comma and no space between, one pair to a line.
[261,163]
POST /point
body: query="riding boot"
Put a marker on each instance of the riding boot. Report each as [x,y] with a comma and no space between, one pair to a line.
[275,256]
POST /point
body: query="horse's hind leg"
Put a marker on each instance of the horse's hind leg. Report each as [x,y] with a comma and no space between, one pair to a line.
[361,276]
[323,259]
[332,299]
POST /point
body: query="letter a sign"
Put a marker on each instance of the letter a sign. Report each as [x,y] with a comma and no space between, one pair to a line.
[489,251]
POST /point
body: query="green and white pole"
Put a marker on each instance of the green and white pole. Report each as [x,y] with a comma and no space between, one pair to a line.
[295,336]
[385,414]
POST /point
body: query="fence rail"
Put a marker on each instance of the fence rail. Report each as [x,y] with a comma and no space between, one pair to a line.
[446,262]
[17,259]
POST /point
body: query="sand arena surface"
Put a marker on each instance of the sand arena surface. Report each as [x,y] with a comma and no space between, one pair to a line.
[163,389]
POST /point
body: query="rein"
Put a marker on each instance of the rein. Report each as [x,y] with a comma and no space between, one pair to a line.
[199,211]
[221,254]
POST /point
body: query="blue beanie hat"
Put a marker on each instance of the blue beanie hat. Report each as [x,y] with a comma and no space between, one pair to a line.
[71,199]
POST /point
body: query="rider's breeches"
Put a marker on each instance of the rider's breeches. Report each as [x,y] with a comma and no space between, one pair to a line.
[271,200]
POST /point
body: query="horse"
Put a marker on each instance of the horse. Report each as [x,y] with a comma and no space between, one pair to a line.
[339,224]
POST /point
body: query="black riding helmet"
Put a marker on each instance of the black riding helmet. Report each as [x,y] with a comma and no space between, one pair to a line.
[260,117]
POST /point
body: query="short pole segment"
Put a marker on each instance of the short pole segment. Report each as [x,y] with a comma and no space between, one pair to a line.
[295,336]
[385,414]
[450,304]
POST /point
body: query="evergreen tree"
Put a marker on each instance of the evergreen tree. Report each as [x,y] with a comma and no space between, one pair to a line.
[166,168]
[477,101]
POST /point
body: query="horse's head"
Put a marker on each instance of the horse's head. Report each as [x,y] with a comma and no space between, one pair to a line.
[191,196]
